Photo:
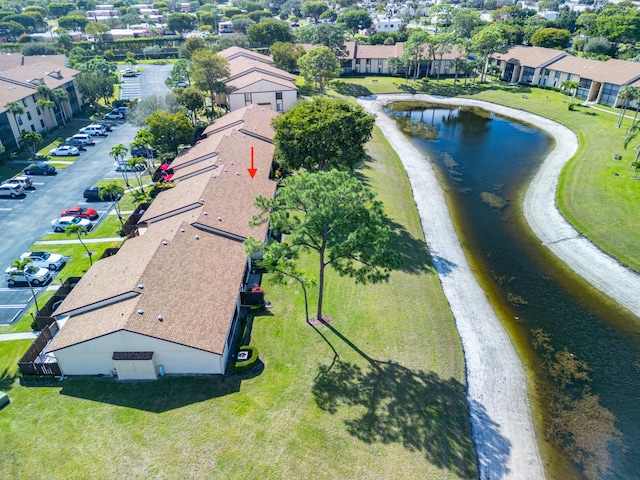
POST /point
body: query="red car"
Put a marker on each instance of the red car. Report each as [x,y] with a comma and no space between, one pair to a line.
[82,212]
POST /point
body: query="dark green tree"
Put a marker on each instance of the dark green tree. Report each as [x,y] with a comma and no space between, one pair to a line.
[268,32]
[320,65]
[335,215]
[322,134]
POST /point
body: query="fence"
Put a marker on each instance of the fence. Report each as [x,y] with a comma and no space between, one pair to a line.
[43,317]
[29,364]
[132,222]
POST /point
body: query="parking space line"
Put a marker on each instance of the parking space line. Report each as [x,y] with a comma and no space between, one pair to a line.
[16,305]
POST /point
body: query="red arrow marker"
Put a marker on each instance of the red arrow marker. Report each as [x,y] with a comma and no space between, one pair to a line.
[252,170]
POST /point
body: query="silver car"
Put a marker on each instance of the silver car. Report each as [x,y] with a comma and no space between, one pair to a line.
[35,275]
[60,224]
[12,190]
[52,261]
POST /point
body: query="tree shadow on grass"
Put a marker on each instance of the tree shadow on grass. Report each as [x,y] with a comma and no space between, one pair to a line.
[414,254]
[350,89]
[155,396]
[6,380]
[418,409]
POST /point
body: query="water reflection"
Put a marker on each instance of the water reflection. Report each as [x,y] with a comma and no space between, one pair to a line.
[584,350]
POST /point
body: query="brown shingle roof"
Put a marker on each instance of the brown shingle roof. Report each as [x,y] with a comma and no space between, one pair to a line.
[10,60]
[241,66]
[253,119]
[255,77]
[198,317]
[235,52]
[379,51]
[533,57]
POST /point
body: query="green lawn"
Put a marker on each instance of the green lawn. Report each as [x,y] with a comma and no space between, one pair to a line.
[596,193]
[391,407]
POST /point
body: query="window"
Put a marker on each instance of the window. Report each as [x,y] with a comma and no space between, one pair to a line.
[33,128]
[568,76]
[29,115]
[19,118]
[24,102]
[557,74]
[527,75]
[278,95]
[583,91]
[380,61]
[41,123]
[247,98]
[33,98]
[609,94]
[38,110]
[279,107]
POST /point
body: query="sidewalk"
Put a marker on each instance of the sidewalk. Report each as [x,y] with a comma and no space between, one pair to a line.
[88,240]
[7,337]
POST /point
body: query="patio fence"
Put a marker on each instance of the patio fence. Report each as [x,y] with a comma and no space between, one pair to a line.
[29,365]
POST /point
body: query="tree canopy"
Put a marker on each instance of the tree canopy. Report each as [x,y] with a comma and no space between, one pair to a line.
[322,134]
[181,22]
[320,65]
[170,130]
[355,20]
[335,215]
[551,38]
[268,32]
[209,69]
[286,55]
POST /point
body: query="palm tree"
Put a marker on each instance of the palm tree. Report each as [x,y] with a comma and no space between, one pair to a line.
[625,94]
[14,108]
[568,86]
[144,138]
[47,106]
[133,163]
[60,95]
[635,98]
[78,230]
[113,191]
[30,141]
[118,152]
[634,131]
[22,265]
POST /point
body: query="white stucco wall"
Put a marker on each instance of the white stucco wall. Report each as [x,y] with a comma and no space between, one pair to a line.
[94,357]
[263,92]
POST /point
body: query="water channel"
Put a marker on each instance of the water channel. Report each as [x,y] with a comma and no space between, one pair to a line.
[581,351]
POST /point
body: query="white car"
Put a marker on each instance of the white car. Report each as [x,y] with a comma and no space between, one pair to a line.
[124,166]
[35,275]
[52,261]
[60,224]
[113,116]
[12,190]
[64,151]
[97,130]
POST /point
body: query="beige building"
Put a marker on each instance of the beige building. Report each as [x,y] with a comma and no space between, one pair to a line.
[169,300]
[254,79]
[20,76]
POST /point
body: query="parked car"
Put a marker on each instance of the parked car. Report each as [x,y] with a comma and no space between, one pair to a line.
[64,151]
[130,73]
[84,138]
[74,142]
[40,169]
[26,182]
[37,276]
[182,85]
[123,166]
[60,224]
[124,109]
[52,261]
[82,212]
[113,115]
[144,152]
[12,190]
[107,126]
[94,129]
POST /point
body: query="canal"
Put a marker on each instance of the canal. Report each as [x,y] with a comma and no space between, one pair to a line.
[581,351]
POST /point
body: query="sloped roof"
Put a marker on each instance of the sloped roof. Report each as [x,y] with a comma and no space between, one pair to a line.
[379,51]
[618,72]
[235,52]
[254,77]
[241,66]
[11,60]
[197,314]
[252,120]
[583,67]
[533,57]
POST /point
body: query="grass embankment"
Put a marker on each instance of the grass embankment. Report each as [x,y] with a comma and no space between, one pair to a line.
[597,193]
[392,406]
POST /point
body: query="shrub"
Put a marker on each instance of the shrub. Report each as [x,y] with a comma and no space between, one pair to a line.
[242,366]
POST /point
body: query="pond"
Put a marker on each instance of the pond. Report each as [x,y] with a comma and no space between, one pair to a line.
[581,351]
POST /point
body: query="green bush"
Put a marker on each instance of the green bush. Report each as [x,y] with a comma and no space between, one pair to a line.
[242,366]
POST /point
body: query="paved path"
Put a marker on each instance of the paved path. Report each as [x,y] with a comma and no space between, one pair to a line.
[7,337]
[87,240]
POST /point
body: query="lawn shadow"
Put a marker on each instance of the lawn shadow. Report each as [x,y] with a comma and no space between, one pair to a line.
[414,254]
[6,380]
[157,396]
[350,89]
[418,409]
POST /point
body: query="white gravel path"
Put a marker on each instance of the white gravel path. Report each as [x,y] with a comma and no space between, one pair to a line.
[502,427]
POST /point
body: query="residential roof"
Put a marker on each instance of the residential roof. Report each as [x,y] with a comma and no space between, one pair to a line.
[205,269]
[242,66]
[11,60]
[533,57]
[252,120]
[619,72]
[379,51]
[583,67]
[256,77]
[235,52]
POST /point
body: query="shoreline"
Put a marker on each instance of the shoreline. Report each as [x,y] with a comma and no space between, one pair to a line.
[501,420]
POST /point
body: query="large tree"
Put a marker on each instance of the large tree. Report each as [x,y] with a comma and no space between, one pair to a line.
[314,9]
[487,41]
[355,20]
[286,55]
[414,50]
[30,141]
[551,38]
[322,134]
[209,69]
[268,32]
[170,130]
[181,23]
[319,64]
[95,86]
[181,72]
[335,215]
